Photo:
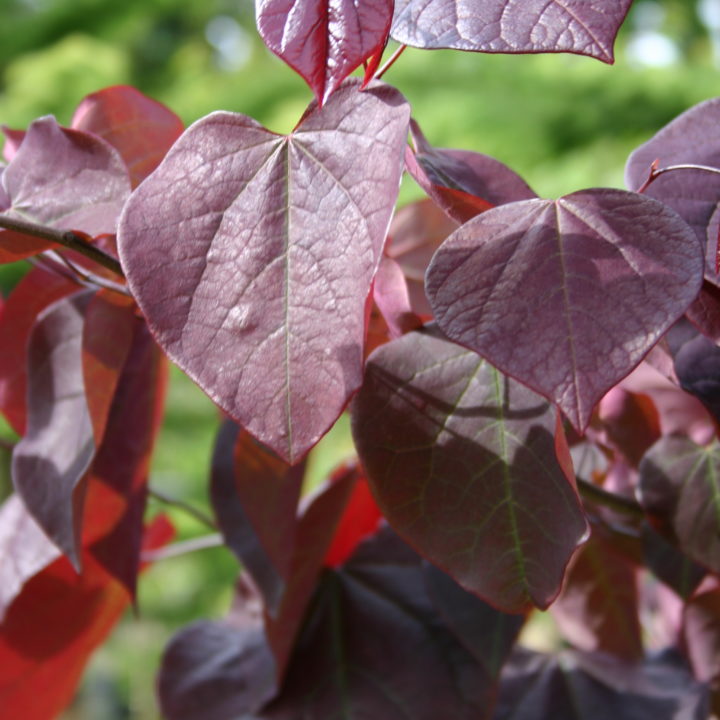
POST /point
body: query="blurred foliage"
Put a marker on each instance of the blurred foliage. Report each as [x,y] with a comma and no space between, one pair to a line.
[563,122]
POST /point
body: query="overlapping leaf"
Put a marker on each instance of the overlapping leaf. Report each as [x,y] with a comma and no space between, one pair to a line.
[586,27]
[680,484]
[324,40]
[566,296]
[138,127]
[691,138]
[65,179]
[598,607]
[273,242]
[574,686]
[461,182]
[463,464]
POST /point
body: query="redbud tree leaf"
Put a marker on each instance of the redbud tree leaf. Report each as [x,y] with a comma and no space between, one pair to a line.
[273,242]
[691,138]
[566,295]
[50,462]
[701,634]
[65,179]
[324,40]
[463,465]
[585,27]
[37,290]
[680,483]
[138,127]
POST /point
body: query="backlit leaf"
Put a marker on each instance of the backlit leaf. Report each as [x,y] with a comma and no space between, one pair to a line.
[463,465]
[138,127]
[566,296]
[273,241]
[586,27]
[324,40]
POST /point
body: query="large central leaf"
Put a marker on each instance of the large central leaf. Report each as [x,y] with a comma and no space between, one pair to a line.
[586,27]
[252,254]
[566,295]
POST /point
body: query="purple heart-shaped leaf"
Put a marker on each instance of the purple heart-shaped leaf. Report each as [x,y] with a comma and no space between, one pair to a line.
[252,255]
[566,296]
[585,27]
[324,40]
[463,464]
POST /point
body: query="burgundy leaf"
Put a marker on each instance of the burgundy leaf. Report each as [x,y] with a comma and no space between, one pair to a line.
[416,232]
[13,140]
[255,495]
[24,550]
[463,464]
[50,462]
[586,27]
[374,646]
[324,40]
[704,313]
[691,138]
[273,241]
[66,179]
[218,670]
[679,484]
[574,686]
[138,127]
[392,298]
[701,635]
[566,296]
[316,529]
[597,609]
[461,182]
[110,324]
[53,626]
[37,290]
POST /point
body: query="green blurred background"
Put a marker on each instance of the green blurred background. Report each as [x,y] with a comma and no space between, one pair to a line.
[562,121]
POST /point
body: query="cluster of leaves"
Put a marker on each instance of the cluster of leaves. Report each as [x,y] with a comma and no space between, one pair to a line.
[504,354]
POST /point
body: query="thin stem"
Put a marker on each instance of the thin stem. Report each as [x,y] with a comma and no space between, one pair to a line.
[390,62]
[63,237]
[88,277]
[618,503]
[656,172]
[183,548]
[182,505]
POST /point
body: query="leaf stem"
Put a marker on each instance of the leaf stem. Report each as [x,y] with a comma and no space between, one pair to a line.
[618,503]
[656,172]
[390,62]
[63,237]
[182,505]
[183,548]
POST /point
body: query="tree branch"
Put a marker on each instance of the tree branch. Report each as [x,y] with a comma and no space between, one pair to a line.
[63,237]
[182,505]
[182,548]
[618,503]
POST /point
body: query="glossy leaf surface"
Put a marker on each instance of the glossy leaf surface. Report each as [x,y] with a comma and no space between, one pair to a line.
[691,138]
[324,40]
[589,283]
[586,27]
[138,127]
[265,307]
[463,464]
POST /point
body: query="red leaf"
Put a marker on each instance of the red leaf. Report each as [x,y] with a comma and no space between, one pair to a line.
[37,290]
[265,307]
[324,40]
[589,283]
[597,609]
[53,626]
[390,292]
[704,313]
[503,26]
[461,182]
[463,465]
[13,140]
[138,127]
[65,179]
[50,462]
[701,635]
